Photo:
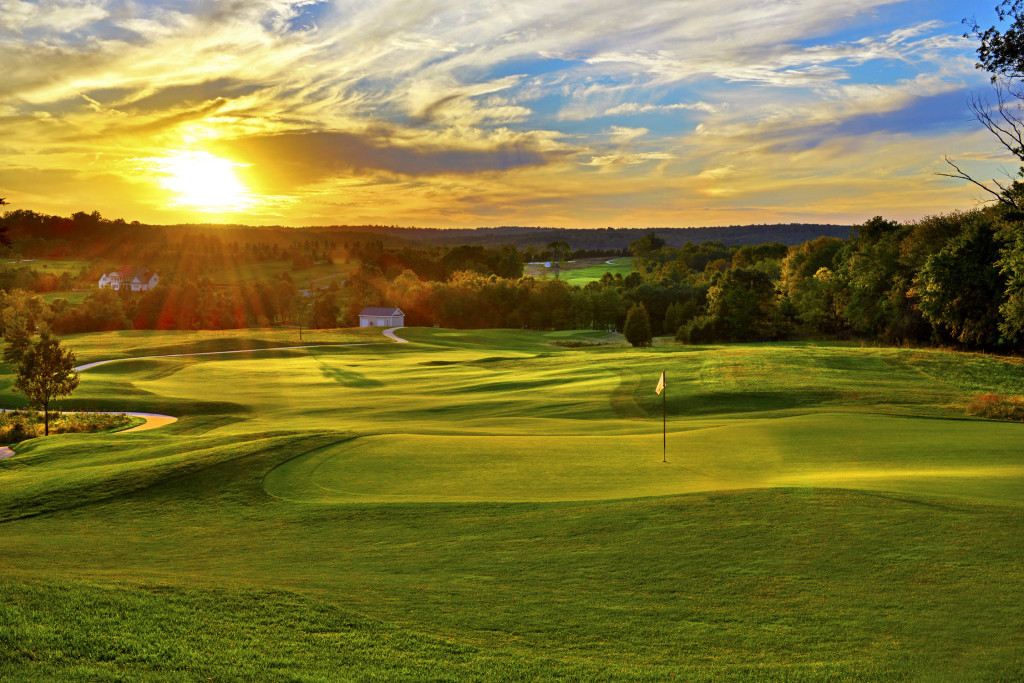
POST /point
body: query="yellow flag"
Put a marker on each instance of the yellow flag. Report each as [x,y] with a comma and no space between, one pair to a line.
[661,383]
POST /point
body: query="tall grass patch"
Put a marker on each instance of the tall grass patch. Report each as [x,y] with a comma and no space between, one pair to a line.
[18,425]
[997,407]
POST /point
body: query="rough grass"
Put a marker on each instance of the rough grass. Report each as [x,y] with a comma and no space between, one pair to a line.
[488,505]
[997,407]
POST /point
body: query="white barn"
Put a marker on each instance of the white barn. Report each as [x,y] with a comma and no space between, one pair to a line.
[376,316]
[130,277]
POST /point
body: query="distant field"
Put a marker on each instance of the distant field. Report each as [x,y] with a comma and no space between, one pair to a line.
[55,266]
[71,297]
[486,505]
[582,271]
[319,275]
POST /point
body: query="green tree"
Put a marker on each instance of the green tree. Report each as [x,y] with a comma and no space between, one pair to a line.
[822,302]
[5,239]
[47,371]
[741,304]
[1001,51]
[803,261]
[18,338]
[509,264]
[961,287]
[880,301]
[559,250]
[325,312]
[673,317]
[638,326]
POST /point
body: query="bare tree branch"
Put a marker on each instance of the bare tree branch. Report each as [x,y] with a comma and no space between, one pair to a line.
[1007,124]
[1004,195]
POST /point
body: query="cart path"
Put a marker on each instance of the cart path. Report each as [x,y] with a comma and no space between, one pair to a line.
[152,421]
[390,334]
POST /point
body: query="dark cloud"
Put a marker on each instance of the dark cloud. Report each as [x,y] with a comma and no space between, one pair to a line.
[289,160]
[154,126]
[943,112]
[935,112]
[175,96]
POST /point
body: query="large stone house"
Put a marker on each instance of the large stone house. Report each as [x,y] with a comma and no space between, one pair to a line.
[376,316]
[137,279]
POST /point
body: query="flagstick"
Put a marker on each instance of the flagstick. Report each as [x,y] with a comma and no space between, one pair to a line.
[664,420]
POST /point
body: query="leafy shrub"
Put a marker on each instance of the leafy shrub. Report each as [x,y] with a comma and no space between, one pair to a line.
[18,425]
[997,407]
[577,343]
[637,329]
[699,330]
[83,423]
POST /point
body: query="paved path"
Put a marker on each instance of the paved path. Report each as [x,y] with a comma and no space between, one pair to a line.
[390,333]
[152,421]
[5,452]
[328,277]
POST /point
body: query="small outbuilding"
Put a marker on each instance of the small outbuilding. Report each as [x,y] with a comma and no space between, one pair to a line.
[377,316]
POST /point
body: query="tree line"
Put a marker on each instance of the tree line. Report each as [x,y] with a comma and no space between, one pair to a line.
[950,279]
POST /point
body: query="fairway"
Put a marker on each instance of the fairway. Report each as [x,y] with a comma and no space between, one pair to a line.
[581,271]
[488,505]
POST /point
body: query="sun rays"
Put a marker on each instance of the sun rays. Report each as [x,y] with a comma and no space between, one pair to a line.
[202,181]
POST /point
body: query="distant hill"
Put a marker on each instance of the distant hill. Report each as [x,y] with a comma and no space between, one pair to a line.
[611,238]
[89,236]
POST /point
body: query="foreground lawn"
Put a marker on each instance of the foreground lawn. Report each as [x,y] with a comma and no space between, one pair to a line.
[487,505]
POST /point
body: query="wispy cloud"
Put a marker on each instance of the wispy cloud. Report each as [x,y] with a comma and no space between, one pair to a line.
[450,112]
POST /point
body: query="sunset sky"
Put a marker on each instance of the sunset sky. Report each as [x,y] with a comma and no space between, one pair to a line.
[586,113]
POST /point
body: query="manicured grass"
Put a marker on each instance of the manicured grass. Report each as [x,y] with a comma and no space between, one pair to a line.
[487,505]
[73,298]
[55,266]
[582,271]
[581,276]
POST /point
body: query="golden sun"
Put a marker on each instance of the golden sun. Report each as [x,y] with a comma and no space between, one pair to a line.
[203,181]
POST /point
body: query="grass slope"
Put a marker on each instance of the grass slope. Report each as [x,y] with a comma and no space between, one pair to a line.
[486,505]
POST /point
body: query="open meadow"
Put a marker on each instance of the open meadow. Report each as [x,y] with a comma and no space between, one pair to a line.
[491,505]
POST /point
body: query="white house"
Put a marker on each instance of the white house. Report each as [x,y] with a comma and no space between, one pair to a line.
[130,277]
[375,316]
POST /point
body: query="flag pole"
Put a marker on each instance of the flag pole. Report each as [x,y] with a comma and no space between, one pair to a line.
[664,421]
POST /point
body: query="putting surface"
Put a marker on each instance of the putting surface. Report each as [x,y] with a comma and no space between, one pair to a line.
[977,460]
